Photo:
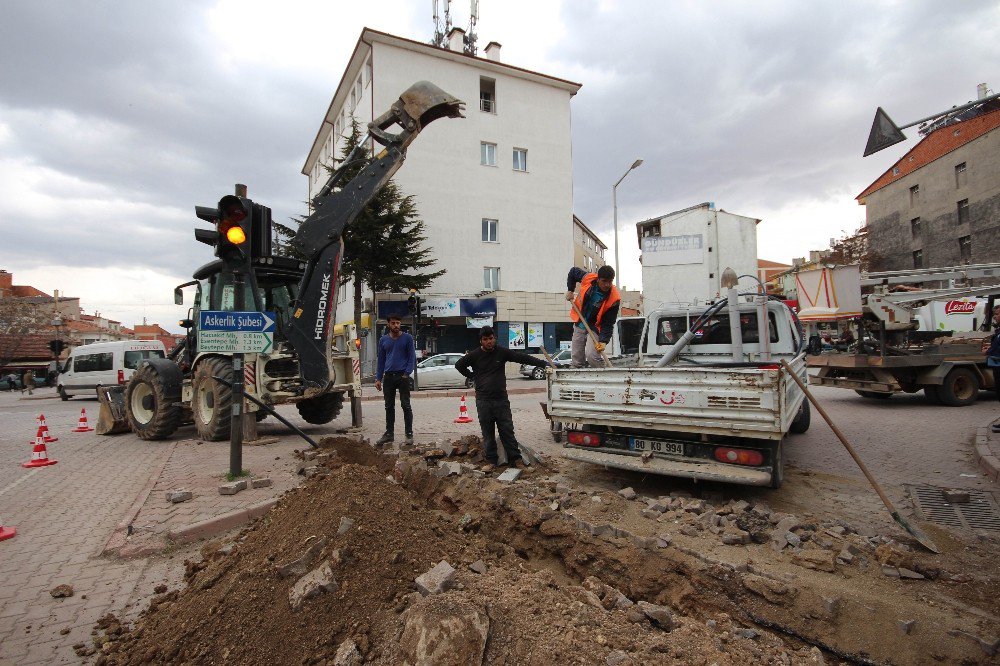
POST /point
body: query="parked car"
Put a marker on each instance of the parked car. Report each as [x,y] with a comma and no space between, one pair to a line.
[439,371]
[10,383]
[563,359]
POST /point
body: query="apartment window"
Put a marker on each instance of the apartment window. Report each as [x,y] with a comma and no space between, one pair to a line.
[358,89]
[918,258]
[488,154]
[965,249]
[490,230]
[354,98]
[963,211]
[368,71]
[960,175]
[491,278]
[520,159]
[487,95]
[337,127]
[915,227]
[914,195]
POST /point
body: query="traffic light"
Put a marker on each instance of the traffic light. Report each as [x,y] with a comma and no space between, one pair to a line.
[233,219]
[57,347]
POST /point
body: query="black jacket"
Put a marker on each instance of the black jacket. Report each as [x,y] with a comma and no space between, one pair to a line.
[994,349]
[488,369]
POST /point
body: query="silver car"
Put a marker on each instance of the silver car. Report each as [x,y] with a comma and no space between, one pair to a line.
[439,372]
[561,359]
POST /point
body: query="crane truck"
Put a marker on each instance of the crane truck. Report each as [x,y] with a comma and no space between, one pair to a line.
[892,355]
[306,365]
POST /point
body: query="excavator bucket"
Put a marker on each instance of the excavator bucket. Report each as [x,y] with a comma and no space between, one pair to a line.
[111,420]
[425,103]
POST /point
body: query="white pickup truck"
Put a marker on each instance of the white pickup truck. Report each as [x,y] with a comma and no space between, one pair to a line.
[704,415]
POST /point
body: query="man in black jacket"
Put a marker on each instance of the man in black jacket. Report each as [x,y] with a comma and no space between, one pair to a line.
[492,404]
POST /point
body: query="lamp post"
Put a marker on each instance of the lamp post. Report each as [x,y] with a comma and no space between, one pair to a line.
[614,200]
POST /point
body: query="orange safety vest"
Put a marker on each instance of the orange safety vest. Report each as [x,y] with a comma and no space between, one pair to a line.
[585,284]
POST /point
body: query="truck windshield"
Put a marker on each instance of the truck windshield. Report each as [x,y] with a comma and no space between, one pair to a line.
[133,358]
[715,331]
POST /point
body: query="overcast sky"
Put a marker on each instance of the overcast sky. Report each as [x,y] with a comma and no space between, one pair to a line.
[117,118]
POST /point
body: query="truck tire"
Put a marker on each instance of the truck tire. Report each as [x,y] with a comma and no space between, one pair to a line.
[802,419]
[778,467]
[151,414]
[321,409]
[212,401]
[931,393]
[960,388]
[874,395]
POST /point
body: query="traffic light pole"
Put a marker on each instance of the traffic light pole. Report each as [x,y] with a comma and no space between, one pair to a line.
[236,424]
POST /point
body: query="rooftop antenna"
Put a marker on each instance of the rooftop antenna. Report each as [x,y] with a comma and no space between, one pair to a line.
[441,30]
[470,36]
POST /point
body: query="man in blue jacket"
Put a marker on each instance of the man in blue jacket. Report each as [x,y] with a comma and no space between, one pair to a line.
[397,358]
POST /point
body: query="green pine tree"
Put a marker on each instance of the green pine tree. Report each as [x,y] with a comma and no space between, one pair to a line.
[383,246]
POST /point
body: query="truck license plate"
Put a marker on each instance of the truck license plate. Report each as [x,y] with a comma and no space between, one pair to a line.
[655,446]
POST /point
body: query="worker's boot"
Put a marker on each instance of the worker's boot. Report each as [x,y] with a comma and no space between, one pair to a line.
[409,439]
[386,438]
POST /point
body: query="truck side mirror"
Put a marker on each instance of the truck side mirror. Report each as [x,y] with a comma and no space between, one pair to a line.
[186,323]
[178,296]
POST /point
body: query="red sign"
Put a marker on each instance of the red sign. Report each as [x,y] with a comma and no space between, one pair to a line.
[959,307]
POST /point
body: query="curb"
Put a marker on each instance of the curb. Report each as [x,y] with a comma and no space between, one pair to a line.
[117,541]
[452,393]
[213,526]
[989,462]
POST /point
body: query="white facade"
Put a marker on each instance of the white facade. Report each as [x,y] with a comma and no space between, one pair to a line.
[685,252]
[528,193]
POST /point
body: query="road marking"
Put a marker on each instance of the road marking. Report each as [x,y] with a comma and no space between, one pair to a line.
[11,486]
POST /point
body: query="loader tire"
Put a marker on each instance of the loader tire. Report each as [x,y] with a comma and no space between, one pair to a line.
[212,401]
[960,388]
[321,409]
[802,419]
[151,414]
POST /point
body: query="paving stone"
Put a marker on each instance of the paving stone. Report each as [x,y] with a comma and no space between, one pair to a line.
[735,538]
[652,514]
[905,626]
[845,557]
[233,487]
[316,582]
[909,573]
[956,496]
[264,482]
[509,476]
[627,493]
[436,580]
[892,572]
[178,496]
[819,560]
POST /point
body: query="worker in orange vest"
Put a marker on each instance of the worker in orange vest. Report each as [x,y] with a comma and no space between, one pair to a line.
[598,300]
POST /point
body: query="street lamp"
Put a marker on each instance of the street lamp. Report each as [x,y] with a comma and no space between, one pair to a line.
[614,199]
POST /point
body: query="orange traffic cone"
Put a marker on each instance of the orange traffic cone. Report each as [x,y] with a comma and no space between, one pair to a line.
[82,426]
[45,430]
[39,455]
[6,532]
[463,413]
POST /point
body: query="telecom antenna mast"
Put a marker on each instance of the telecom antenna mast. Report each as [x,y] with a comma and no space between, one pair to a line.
[470,37]
[441,30]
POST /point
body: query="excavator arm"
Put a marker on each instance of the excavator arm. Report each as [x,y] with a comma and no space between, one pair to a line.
[320,236]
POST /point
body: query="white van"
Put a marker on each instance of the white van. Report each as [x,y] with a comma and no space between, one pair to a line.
[104,364]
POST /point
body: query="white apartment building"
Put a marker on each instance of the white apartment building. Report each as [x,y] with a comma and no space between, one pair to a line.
[494,189]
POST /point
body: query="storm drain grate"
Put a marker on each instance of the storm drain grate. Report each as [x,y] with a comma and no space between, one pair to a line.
[980,513]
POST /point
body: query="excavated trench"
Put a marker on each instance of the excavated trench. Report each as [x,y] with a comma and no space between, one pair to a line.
[553,591]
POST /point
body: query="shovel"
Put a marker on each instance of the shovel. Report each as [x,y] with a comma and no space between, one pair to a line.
[590,332]
[924,540]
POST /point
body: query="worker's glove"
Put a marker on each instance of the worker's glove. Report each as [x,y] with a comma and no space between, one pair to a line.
[549,370]
[599,347]
[569,296]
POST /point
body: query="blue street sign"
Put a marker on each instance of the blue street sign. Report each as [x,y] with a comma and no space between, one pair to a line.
[243,322]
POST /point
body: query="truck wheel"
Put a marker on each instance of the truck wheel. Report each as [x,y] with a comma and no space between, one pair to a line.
[931,393]
[960,388]
[874,395]
[321,409]
[212,401]
[150,415]
[801,421]
[62,394]
[538,373]
[778,467]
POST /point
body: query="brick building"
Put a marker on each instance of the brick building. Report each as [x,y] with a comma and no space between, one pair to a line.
[939,205]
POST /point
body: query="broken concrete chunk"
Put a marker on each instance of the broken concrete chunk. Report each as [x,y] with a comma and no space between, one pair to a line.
[345,525]
[819,560]
[892,572]
[178,496]
[627,493]
[793,539]
[348,654]
[316,582]
[509,476]
[652,514]
[62,591]
[448,629]
[233,487]
[660,615]
[908,573]
[845,556]
[786,524]
[735,538]
[905,626]
[264,482]
[478,567]
[772,590]
[437,580]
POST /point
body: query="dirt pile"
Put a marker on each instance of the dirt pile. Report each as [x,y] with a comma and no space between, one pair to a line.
[328,577]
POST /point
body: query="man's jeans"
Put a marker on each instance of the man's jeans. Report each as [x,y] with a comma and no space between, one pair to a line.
[495,415]
[391,382]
